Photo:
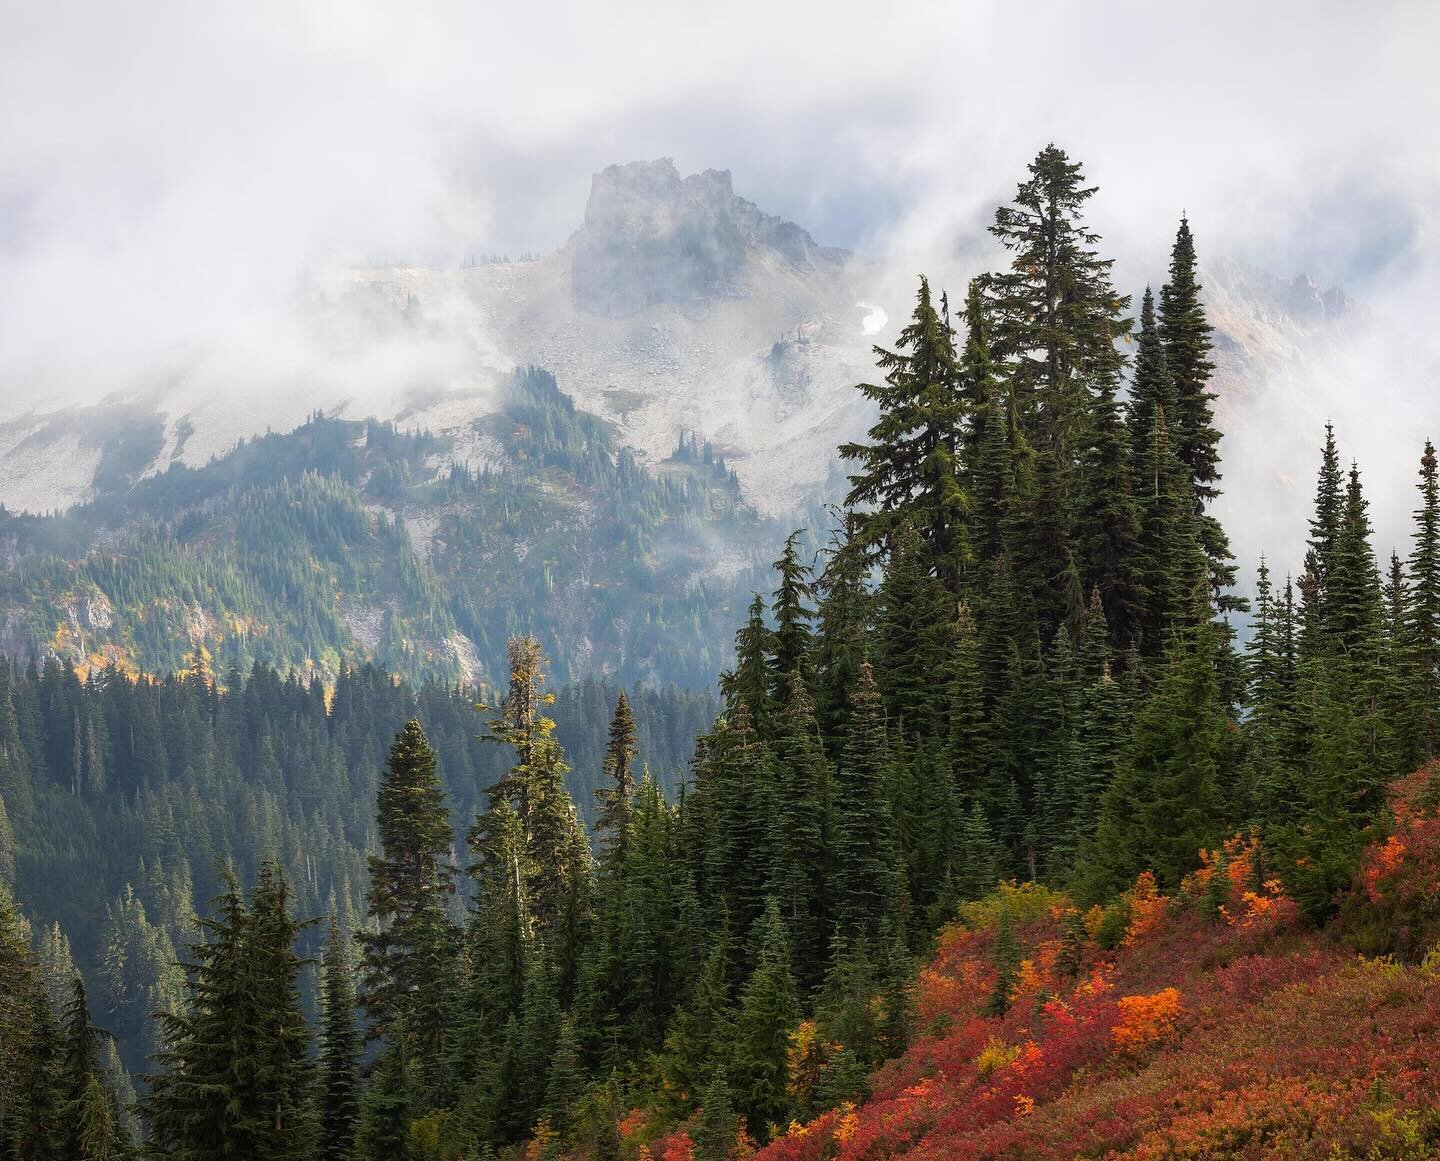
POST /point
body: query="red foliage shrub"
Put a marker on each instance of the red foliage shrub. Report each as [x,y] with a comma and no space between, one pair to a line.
[1394,904]
[1218,1027]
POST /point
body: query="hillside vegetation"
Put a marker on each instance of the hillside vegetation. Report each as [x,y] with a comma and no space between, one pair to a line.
[345,542]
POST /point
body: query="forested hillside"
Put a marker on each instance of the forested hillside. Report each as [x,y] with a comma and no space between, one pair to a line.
[1002,726]
[344,542]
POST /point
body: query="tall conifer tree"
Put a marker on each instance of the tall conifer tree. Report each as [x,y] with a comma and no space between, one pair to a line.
[910,471]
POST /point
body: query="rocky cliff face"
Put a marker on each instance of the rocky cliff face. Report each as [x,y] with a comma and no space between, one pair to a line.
[651,237]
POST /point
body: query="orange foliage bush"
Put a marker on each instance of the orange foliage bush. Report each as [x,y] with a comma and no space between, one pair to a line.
[1146,1020]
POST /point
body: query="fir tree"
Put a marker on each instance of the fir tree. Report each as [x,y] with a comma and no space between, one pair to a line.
[1422,613]
[1057,317]
[235,1078]
[768,1013]
[1186,333]
[703,1031]
[793,639]
[803,798]
[1165,803]
[1107,524]
[409,956]
[338,1081]
[90,1125]
[619,767]
[716,1132]
[910,471]
[385,1110]
[1152,391]
[1325,524]
[842,633]
[865,857]
[751,681]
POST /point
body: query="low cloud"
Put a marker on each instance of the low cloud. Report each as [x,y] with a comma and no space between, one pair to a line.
[175,178]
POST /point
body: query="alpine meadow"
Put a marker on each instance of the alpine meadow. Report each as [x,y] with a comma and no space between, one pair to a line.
[550,709]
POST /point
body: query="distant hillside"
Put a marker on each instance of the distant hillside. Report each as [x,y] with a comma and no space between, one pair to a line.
[349,541]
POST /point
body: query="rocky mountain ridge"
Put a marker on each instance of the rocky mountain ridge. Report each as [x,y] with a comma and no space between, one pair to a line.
[677,306]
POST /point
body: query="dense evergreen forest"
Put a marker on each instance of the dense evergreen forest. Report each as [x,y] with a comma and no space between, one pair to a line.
[344,541]
[1016,658]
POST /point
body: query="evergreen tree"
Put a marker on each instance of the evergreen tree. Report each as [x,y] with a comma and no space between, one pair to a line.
[804,789]
[408,958]
[911,638]
[1170,560]
[703,1031]
[566,1079]
[842,633]
[1186,333]
[235,1077]
[385,1110]
[1422,613]
[768,1013]
[1057,316]
[910,471]
[1325,525]
[1165,803]
[866,860]
[751,681]
[619,767]
[90,1123]
[338,1080]
[793,638]
[1107,524]
[1152,391]
[716,1132]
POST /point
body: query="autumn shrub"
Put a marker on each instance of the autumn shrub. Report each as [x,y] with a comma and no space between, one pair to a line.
[1023,903]
[1146,1020]
[1393,904]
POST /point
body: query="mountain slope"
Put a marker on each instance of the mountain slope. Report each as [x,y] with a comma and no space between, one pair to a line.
[346,541]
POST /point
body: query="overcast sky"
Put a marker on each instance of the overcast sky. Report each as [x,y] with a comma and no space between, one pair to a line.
[169,172]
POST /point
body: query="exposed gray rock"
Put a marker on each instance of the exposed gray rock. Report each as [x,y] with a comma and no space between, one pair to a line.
[651,236]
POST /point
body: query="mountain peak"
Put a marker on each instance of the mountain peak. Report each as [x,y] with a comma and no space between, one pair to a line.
[651,236]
